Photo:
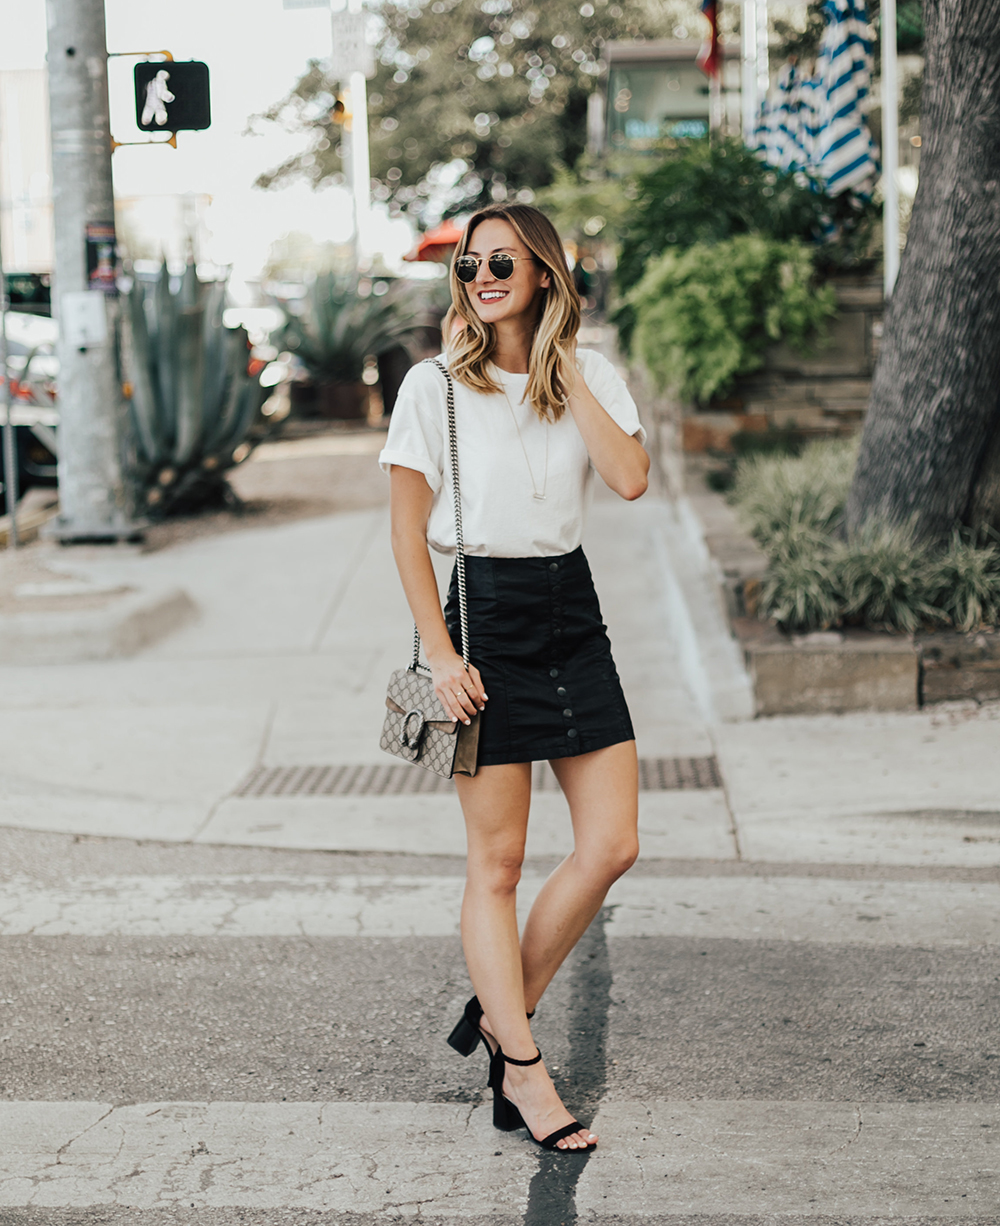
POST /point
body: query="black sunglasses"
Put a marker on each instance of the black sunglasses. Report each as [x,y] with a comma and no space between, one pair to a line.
[500,265]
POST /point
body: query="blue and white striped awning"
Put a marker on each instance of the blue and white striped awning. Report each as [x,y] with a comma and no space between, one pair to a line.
[816,124]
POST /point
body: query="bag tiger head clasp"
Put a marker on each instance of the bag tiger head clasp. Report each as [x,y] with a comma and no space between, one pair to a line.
[410,739]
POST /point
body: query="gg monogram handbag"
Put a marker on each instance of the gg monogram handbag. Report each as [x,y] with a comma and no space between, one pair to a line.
[417,728]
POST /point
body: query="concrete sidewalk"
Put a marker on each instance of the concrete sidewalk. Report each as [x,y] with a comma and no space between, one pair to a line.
[297,629]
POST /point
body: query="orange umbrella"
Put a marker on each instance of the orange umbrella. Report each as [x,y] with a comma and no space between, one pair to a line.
[437,244]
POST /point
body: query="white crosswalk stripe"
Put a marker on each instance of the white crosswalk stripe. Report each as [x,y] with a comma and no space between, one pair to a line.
[776,908]
[693,1157]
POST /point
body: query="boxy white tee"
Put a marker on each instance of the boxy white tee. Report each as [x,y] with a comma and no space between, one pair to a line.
[501,517]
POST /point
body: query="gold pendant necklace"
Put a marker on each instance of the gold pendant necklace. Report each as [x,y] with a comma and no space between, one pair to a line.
[535,493]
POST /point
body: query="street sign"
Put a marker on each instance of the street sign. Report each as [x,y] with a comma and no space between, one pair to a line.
[172,96]
[351,52]
[83,318]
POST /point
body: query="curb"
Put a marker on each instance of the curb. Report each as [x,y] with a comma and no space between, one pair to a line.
[122,628]
[709,655]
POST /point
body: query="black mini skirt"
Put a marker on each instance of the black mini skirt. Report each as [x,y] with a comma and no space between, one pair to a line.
[537,638]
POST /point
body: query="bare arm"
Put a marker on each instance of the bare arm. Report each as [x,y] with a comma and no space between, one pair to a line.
[461,692]
[619,457]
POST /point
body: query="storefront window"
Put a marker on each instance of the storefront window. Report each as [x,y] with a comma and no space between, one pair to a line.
[650,101]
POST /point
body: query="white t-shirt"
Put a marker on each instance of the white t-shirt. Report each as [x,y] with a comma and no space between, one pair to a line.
[501,517]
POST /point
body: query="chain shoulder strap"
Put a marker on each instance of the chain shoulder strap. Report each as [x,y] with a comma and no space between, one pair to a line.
[463,612]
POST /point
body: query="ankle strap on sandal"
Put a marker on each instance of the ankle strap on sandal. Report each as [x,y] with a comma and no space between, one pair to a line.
[522,1063]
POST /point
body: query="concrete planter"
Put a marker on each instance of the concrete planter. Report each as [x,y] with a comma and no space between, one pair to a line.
[832,672]
[828,673]
[333,401]
[342,401]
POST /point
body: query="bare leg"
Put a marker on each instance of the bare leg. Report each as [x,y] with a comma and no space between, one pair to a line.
[495,804]
[602,789]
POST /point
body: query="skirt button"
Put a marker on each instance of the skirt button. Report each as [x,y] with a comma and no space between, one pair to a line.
[568,713]
[553,566]
[571,733]
[553,672]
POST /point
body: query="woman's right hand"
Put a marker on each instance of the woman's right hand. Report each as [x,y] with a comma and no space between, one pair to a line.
[460,689]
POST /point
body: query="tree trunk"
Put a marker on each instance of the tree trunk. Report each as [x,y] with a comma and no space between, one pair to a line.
[934,396]
[984,504]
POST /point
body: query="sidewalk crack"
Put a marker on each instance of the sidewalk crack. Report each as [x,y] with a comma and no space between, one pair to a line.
[63,1148]
[347,578]
[855,1134]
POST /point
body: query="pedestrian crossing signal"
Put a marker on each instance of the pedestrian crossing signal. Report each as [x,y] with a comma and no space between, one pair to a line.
[172,96]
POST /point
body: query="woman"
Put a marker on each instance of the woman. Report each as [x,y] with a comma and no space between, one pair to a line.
[534,417]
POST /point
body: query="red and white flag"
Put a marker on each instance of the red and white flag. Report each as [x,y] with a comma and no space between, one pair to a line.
[710,55]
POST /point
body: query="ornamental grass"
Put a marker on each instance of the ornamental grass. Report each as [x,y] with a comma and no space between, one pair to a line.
[880,577]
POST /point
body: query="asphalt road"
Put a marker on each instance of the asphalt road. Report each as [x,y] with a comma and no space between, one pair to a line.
[801,1030]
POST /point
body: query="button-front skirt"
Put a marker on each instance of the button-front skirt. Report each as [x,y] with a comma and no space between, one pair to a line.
[537,638]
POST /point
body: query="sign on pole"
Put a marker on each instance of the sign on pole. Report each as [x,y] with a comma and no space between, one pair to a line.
[351,52]
[172,96]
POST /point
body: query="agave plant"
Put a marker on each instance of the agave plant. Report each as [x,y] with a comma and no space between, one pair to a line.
[194,399]
[340,329]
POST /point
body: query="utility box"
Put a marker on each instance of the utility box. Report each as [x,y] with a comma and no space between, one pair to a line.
[172,96]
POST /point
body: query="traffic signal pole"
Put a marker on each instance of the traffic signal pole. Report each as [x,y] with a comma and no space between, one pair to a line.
[93,497]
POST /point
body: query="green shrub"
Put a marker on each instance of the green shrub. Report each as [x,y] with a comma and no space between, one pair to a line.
[965,582]
[885,580]
[706,315]
[800,591]
[879,578]
[707,191]
[783,497]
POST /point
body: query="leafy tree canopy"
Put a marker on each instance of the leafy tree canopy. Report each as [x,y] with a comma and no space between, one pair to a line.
[804,42]
[473,100]
[710,191]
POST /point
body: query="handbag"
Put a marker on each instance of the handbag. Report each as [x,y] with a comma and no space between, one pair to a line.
[417,728]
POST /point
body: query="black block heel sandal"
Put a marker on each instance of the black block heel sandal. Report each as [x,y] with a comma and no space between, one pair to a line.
[507,1117]
[466,1036]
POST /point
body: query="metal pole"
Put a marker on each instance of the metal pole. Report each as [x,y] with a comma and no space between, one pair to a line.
[715,112]
[361,175]
[748,81]
[890,146]
[92,493]
[763,63]
[9,440]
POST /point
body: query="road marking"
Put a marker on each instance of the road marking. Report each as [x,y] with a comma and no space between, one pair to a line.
[446,1160]
[691,824]
[814,1159]
[815,909]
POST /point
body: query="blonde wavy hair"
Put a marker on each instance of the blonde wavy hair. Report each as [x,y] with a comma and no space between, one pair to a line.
[469,343]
